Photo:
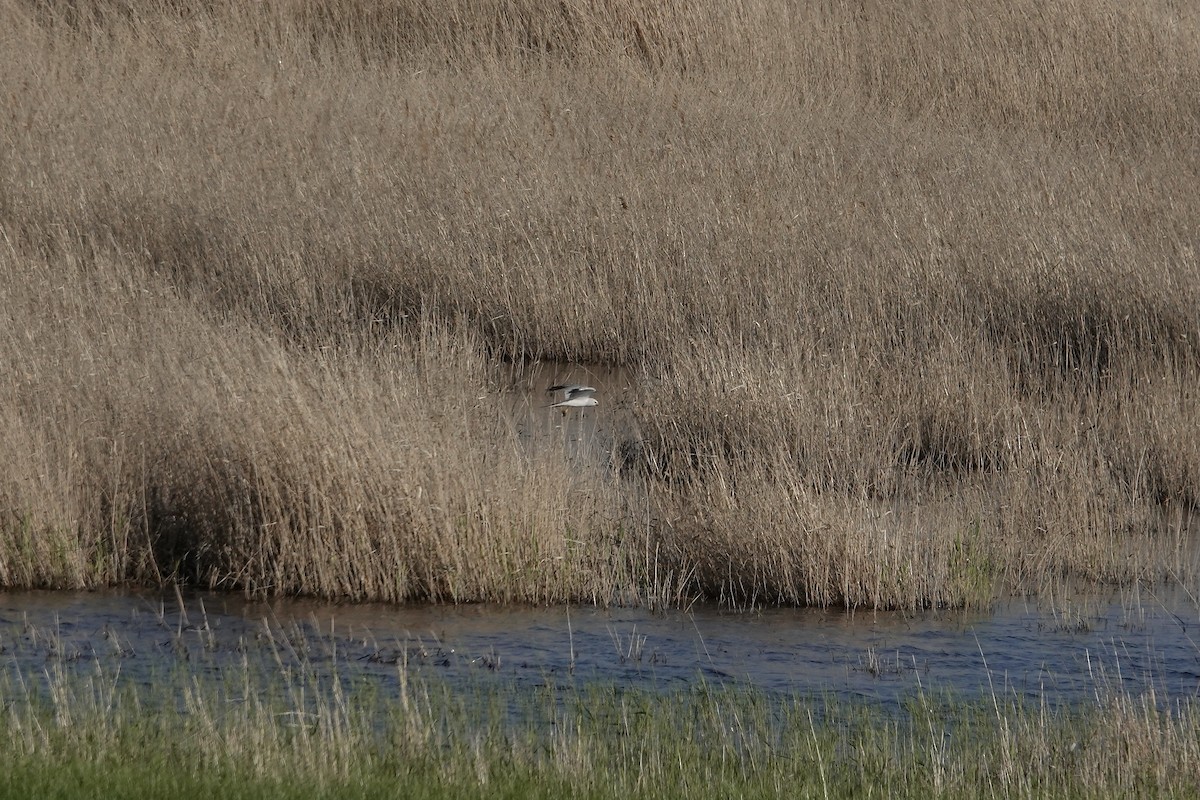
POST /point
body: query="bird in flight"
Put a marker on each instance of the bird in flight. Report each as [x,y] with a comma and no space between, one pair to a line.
[574,396]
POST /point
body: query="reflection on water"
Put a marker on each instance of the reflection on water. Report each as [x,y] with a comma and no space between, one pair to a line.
[1128,644]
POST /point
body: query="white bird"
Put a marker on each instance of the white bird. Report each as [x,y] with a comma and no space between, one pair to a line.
[574,396]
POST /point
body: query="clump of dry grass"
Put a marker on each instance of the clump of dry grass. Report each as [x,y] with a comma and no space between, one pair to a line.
[158,444]
[925,277]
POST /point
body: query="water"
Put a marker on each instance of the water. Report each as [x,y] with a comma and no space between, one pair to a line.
[1128,643]
[605,436]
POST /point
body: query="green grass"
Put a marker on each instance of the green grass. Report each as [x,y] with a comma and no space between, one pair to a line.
[139,773]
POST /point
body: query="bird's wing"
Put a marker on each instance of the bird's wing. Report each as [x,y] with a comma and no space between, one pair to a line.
[571,390]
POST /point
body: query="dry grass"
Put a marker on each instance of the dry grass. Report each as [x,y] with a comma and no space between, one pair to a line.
[157,442]
[926,277]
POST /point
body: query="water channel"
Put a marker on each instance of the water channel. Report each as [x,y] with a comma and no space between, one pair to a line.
[1129,643]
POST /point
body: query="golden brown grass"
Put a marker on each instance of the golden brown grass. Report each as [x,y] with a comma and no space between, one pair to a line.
[923,277]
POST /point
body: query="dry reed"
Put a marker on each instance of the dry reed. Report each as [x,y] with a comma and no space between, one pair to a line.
[910,289]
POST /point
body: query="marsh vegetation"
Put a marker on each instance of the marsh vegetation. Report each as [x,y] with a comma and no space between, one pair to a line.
[171,704]
[909,290]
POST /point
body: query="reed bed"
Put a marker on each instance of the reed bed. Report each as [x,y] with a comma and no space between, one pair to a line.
[909,290]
